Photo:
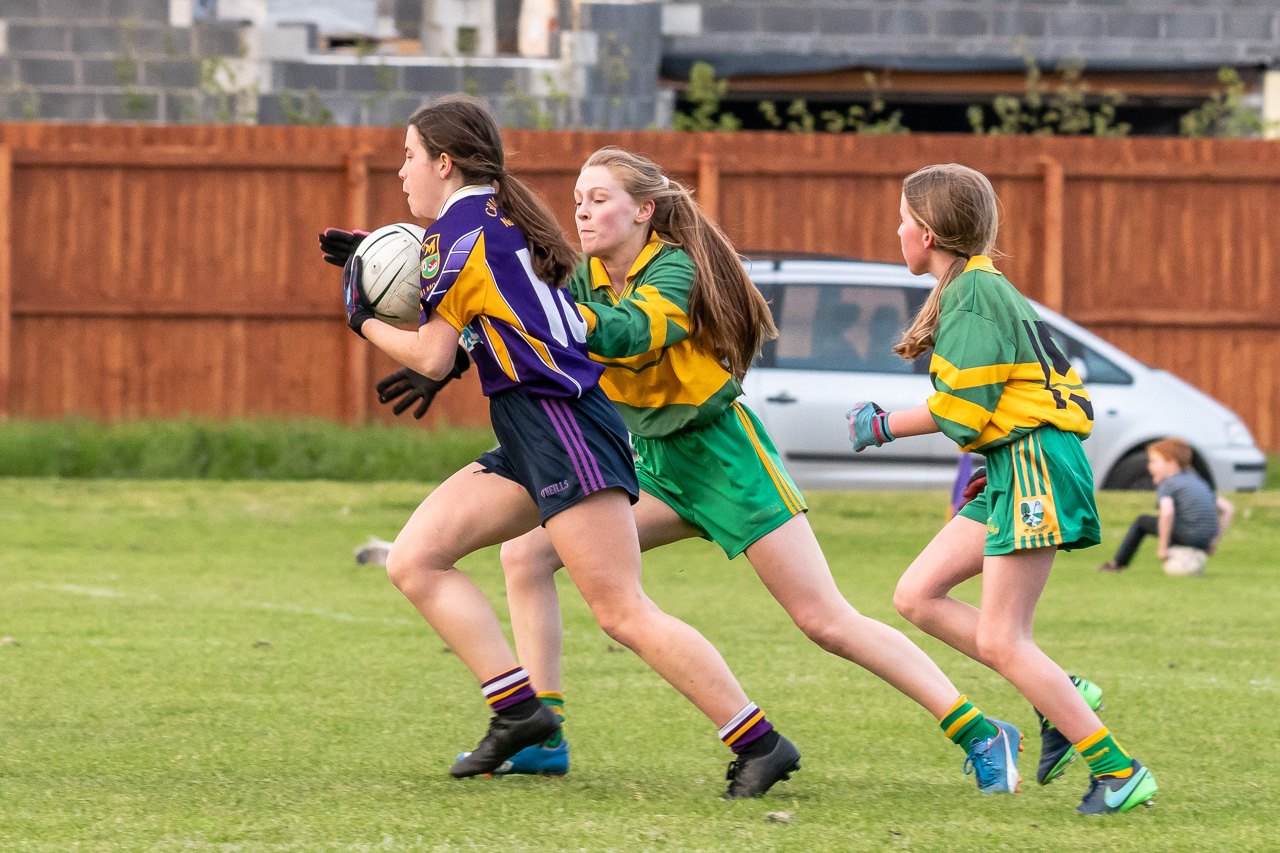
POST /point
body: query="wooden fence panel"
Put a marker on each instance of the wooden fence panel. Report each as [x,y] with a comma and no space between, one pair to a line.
[186,278]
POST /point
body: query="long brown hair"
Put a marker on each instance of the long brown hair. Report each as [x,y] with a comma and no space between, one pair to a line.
[459,126]
[727,315]
[958,205]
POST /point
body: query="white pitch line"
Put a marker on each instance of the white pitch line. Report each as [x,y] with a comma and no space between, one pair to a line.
[335,615]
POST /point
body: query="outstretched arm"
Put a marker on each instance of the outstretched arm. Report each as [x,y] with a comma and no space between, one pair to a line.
[871,425]
[916,421]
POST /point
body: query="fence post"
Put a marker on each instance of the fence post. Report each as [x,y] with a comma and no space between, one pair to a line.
[357,347]
[709,185]
[6,279]
[1053,236]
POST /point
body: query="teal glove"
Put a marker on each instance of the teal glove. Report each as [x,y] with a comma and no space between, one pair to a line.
[868,425]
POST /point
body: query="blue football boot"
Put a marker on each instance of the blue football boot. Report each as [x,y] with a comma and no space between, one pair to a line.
[536,760]
[994,761]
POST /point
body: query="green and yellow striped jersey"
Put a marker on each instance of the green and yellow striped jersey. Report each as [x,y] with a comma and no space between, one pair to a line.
[997,374]
[657,378]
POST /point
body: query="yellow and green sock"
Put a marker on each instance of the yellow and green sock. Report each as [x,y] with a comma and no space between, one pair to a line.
[555,702]
[1104,755]
[964,723]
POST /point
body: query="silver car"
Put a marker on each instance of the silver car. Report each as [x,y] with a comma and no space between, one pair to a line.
[838,321]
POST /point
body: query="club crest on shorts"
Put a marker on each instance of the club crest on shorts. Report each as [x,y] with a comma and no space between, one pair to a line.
[1032,512]
[431,256]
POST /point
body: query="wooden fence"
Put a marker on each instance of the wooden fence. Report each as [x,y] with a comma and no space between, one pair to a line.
[156,272]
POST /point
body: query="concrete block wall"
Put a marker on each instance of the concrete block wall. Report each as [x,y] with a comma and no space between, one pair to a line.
[811,34]
[386,90]
[121,60]
[106,60]
[605,76]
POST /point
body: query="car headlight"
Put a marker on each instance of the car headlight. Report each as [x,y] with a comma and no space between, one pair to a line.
[1238,434]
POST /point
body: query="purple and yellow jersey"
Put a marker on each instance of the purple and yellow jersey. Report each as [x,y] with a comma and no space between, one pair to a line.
[521,332]
[997,374]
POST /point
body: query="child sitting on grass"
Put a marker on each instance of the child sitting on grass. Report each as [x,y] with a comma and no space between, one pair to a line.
[1191,515]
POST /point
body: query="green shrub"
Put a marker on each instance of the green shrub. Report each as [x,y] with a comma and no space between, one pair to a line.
[236,450]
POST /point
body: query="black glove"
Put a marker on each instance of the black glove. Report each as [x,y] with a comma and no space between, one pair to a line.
[359,311]
[338,245]
[416,388]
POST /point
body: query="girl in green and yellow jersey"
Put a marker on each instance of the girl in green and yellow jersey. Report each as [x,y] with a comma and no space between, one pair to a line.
[1005,390]
[674,318]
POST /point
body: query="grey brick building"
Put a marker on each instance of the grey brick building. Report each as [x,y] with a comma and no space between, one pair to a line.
[611,64]
[1164,53]
[754,36]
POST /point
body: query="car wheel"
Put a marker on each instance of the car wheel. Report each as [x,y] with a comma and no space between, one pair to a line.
[1130,473]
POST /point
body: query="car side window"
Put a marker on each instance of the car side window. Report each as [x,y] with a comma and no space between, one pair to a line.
[1094,369]
[850,328]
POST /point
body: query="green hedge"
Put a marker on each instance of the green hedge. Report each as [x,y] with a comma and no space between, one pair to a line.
[236,450]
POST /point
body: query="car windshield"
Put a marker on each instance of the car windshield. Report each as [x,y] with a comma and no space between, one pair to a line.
[851,327]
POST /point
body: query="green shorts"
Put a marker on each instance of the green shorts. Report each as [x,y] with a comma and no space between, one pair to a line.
[1039,494]
[724,478]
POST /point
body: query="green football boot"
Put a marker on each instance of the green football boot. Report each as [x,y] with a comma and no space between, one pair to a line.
[1056,752]
[1112,795]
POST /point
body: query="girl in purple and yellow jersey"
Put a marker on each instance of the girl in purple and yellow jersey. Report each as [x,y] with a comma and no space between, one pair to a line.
[492,267]
[675,321]
[1002,389]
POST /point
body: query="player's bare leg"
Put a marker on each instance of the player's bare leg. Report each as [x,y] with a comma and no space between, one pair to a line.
[469,511]
[1012,585]
[954,556]
[606,571]
[793,568]
[530,563]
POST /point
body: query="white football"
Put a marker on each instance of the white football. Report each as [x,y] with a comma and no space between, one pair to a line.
[392,277]
[1184,561]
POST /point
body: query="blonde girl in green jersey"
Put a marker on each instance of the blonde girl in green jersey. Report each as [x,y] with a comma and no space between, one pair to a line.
[1003,389]
[676,321]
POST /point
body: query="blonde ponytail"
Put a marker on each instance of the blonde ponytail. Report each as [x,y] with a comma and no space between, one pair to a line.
[727,315]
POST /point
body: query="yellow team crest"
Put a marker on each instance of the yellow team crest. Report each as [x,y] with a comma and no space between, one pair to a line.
[431,256]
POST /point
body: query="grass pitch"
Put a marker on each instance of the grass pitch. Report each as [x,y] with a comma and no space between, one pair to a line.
[202,666]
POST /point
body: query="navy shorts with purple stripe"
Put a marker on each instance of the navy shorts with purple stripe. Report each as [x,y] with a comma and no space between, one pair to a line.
[560,450]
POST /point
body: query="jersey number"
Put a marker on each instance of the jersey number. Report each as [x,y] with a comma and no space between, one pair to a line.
[556,305]
[1053,361]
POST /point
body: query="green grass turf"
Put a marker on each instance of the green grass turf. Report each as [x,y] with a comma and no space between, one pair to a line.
[202,666]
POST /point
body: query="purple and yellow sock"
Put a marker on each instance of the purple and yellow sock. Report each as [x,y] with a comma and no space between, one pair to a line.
[1104,755]
[507,690]
[965,724]
[555,702]
[746,727]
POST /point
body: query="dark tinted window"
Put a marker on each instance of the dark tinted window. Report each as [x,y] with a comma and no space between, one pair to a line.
[850,327]
[1093,368]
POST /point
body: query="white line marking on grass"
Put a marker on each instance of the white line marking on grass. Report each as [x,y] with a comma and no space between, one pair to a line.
[83,590]
[335,615]
[323,614]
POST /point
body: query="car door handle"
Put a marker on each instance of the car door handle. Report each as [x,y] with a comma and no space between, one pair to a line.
[781,397]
